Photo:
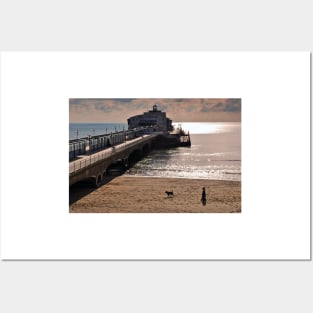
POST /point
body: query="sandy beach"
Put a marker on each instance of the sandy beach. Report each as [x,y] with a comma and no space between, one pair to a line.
[129,194]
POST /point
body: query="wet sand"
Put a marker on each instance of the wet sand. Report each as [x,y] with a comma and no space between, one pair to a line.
[129,194]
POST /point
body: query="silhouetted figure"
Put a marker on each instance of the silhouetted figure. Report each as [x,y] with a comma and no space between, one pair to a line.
[203,197]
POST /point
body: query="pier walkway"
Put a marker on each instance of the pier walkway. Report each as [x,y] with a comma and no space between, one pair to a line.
[95,166]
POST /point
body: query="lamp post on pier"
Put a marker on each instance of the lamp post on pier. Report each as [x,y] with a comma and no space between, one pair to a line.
[89,144]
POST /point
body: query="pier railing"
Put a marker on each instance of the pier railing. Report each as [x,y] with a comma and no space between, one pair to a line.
[87,160]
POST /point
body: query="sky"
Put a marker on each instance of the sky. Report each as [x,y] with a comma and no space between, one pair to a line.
[177,109]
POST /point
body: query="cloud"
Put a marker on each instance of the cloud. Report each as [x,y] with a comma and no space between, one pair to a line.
[233,105]
[178,109]
[205,109]
[122,100]
[189,109]
[140,105]
[75,102]
[221,105]
[103,108]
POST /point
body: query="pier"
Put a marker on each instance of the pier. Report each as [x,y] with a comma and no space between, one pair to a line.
[93,158]
[97,165]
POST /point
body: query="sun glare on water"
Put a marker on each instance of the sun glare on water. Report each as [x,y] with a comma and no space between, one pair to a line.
[205,128]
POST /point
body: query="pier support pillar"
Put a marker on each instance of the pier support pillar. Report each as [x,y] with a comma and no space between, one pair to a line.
[99,180]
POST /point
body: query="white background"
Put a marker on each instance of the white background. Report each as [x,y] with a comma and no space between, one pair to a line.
[157,286]
[275,219]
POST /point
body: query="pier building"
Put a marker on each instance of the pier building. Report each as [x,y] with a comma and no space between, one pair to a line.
[154,117]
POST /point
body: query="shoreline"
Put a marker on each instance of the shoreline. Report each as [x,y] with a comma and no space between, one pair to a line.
[189,178]
[138,194]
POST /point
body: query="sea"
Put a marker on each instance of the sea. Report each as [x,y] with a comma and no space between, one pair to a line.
[81,130]
[215,151]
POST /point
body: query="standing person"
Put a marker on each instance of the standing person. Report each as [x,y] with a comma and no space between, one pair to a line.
[203,197]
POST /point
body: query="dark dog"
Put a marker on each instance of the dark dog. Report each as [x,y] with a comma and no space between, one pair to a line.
[169,193]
